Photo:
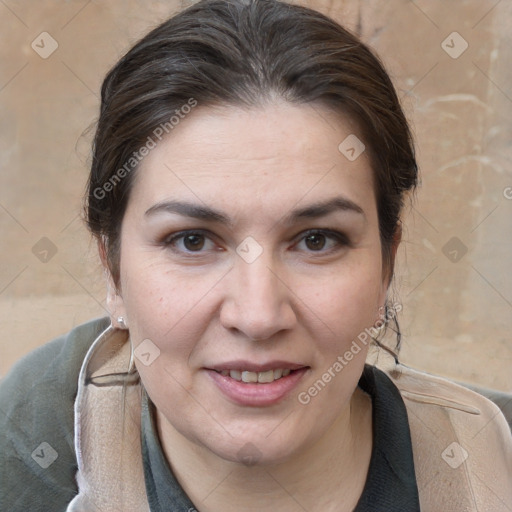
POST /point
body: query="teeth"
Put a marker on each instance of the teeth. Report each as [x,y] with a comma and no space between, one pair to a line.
[249,377]
[235,374]
[261,377]
[266,376]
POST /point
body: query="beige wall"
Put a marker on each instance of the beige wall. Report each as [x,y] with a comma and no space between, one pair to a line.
[457,314]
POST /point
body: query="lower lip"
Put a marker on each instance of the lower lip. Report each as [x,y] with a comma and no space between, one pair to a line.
[253,394]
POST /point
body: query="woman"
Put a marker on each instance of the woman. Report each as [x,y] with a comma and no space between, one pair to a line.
[250,165]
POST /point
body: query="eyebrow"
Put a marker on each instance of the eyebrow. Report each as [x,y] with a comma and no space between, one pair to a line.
[323,208]
[189,210]
[313,211]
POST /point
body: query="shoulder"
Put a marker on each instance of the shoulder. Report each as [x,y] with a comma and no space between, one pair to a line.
[421,387]
[462,444]
[37,420]
[53,366]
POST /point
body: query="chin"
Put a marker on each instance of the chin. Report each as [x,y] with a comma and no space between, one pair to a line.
[251,453]
[257,449]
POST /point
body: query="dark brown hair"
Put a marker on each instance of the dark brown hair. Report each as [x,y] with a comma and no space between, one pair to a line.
[244,53]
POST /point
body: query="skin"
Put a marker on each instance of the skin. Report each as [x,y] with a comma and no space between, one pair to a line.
[302,300]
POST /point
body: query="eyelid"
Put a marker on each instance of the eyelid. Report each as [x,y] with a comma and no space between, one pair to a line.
[182,233]
[168,240]
[339,236]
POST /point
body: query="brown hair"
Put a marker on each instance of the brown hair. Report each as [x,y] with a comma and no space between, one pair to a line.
[244,52]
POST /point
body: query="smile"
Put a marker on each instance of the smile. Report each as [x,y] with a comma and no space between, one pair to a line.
[255,385]
[264,377]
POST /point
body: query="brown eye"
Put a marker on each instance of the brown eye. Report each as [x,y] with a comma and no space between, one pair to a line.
[193,242]
[322,241]
[188,242]
[315,242]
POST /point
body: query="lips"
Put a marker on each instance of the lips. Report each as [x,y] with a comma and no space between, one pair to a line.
[249,372]
[251,384]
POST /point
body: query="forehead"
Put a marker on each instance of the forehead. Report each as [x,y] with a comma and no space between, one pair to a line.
[279,153]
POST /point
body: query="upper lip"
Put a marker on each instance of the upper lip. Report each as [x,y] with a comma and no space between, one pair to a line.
[256,367]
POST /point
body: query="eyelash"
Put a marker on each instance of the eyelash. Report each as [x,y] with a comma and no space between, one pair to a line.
[340,239]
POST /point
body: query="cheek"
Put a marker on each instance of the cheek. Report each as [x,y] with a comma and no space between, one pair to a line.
[164,305]
[155,289]
[346,303]
[345,310]
[168,311]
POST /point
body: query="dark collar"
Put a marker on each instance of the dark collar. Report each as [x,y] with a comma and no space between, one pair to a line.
[391,482]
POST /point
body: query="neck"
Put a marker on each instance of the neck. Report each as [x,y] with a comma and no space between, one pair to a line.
[329,475]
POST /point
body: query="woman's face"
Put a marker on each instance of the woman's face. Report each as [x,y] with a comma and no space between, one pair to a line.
[250,249]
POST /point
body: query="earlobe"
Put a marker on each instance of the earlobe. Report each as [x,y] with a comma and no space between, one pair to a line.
[390,266]
[397,238]
[115,304]
[395,243]
[114,300]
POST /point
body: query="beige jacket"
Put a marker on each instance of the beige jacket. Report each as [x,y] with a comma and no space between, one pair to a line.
[461,442]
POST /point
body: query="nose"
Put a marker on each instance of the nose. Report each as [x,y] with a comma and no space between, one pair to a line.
[257,303]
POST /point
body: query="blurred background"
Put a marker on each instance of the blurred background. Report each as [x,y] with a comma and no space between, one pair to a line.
[451,63]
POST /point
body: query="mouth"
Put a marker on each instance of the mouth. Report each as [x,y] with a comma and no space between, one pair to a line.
[263,377]
[248,384]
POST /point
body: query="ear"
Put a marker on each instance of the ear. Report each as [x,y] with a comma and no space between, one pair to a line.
[115,303]
[388,272]
[397,239]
